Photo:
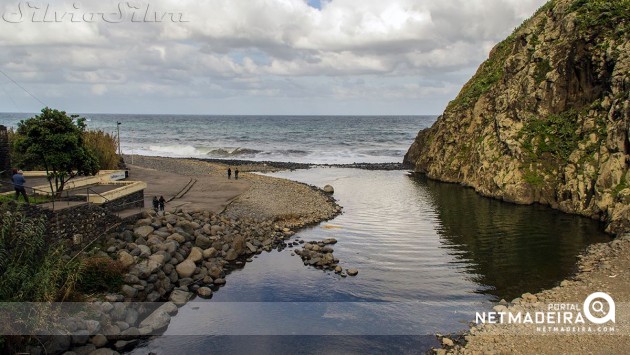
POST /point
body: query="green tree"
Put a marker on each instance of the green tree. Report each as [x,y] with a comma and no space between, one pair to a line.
[54,141]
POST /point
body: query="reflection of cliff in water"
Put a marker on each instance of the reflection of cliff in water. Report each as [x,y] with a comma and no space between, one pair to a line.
[511,249]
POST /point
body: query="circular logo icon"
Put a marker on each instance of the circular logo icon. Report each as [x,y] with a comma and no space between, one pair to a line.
[592,304]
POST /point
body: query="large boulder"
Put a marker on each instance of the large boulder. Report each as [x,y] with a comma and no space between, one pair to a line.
[125,259]
[143,231]
[161,317]
[208,253]
[177,237]
[204,292]
[238,244]
[196,254]
[329,189]
[186,268]
[179,297]
[231,255]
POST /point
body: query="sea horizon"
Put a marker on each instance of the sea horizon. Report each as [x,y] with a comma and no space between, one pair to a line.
[310,139]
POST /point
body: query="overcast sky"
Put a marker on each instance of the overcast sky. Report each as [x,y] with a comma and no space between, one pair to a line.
[247,56]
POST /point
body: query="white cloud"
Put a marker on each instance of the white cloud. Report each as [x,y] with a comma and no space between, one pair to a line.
[242,49]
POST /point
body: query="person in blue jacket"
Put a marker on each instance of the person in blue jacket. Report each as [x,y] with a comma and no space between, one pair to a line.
[18,183]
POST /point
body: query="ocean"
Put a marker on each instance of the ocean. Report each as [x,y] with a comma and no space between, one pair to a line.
[303,139]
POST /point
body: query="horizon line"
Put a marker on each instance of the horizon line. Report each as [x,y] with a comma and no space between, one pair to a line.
[240,115]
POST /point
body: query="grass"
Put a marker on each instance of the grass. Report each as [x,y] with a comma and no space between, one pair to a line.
[601,18]
[31,269]
[34,199]
[103,145]
[542,68]
[101,274]
[533,178]
[554,135]
[620,187]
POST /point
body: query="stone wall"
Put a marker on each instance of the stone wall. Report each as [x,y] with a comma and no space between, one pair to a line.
[75,226]
[80,225]
[134,200]
[5,158]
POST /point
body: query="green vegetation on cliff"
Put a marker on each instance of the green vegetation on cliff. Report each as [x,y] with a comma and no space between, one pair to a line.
[492,70]
[551,137]
[487,75]
[602,18]
[545,118]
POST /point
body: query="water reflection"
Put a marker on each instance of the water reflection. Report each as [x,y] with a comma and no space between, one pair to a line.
[430,255]
[508,249]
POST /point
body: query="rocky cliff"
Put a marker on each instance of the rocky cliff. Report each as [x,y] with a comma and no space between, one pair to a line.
[545,118]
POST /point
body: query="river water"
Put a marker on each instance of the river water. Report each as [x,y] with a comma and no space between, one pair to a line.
[429,256]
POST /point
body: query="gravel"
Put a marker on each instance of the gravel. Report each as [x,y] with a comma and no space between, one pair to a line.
[603,268]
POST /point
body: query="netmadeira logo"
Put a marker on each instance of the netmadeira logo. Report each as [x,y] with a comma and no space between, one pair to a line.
[595,315]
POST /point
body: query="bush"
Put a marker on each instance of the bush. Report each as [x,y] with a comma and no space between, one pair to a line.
[101,274]
[32,270]
[103,145]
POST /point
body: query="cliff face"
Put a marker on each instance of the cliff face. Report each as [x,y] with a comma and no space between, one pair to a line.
[546,118]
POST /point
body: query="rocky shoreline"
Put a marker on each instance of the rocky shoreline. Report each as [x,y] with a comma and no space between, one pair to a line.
[170,259]
[269,166]
[173,257]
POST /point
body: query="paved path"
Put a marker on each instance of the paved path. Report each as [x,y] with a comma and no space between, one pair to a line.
[211,191]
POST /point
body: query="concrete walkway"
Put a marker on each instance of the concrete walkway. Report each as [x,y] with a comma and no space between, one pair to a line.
[210,192]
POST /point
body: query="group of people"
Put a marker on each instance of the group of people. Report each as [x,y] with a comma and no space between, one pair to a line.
[18,181]
[158,204]
[229,172]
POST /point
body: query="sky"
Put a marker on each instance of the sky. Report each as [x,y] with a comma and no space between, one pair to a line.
[251,57]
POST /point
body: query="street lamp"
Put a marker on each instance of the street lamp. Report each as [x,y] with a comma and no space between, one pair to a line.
[118,127]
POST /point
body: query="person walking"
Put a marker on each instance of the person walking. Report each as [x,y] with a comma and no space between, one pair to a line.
[162,202]
[18,183]
[156,204]
[229,173]
[236,174]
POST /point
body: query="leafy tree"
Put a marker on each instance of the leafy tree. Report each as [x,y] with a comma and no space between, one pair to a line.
[54,141]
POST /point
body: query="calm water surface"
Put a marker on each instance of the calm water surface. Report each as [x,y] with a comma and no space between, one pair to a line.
[429,256]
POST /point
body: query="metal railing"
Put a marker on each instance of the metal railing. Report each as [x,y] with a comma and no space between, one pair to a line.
[33,192]
[57,198]
[95,193]
[119,207]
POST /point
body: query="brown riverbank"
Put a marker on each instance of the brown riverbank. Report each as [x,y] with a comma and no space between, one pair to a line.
[603,268]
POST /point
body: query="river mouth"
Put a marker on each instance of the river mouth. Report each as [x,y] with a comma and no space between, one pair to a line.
[429,256]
